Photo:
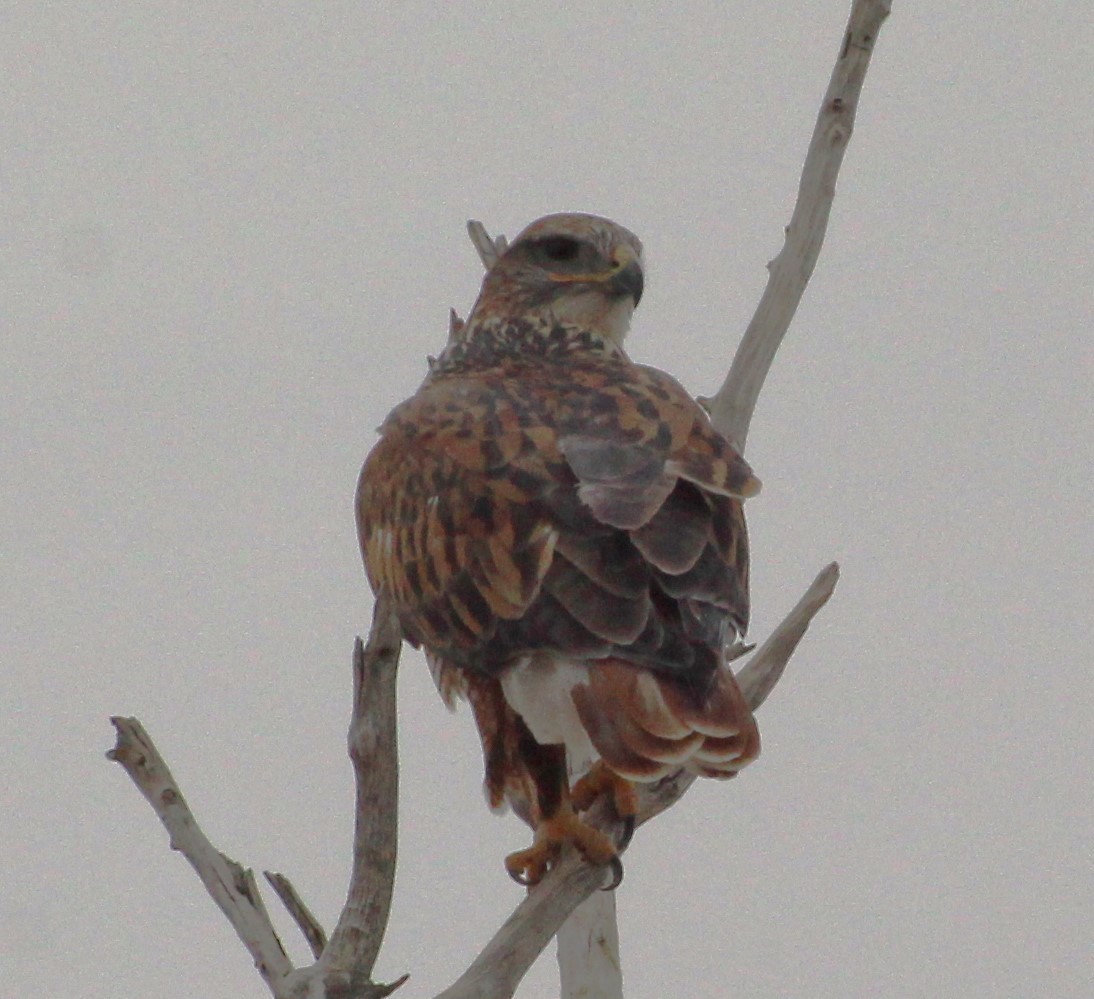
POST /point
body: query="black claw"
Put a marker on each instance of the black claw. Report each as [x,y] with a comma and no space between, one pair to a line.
[520,879]
[628,833]
[617,874]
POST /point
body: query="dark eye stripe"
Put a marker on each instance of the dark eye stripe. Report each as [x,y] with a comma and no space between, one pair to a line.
[561,249]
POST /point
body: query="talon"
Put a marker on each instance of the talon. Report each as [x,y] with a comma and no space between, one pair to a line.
[528,867]
[626,837]
[519,878]
[617,874]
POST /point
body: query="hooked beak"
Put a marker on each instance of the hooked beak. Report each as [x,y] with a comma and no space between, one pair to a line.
[626,278]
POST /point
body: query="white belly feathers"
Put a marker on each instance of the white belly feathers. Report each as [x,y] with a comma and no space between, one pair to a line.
[538,689]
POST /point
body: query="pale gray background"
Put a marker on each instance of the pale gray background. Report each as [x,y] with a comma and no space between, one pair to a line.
[230,236]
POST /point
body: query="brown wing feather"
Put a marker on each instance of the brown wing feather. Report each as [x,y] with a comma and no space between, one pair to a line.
[587,509]
[459,543]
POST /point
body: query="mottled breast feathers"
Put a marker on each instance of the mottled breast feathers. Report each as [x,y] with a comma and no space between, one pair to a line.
[578,503]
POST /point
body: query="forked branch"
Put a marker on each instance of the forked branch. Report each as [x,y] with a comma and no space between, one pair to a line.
[230,886]
[344,965]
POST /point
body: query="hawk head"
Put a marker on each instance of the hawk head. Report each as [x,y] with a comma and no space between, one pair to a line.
[574,270]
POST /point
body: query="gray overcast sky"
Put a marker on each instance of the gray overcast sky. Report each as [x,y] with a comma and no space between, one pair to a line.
[229,237]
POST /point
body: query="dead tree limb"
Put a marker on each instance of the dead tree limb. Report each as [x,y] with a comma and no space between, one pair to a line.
[343,972]
[344,965]
[355,943]
[230,886]
[732,408]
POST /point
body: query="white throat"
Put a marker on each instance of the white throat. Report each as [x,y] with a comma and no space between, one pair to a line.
[590,310]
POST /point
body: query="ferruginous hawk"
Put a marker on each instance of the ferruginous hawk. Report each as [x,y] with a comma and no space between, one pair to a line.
[561,530]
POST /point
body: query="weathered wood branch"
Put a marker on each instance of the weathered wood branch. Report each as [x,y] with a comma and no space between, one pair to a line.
[732,408]
[344,965]
[343,972]
[306,922]
[355,943]
[229,885]
[587,950]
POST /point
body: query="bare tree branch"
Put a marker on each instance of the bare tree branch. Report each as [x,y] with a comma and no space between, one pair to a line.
[758,677]
[342,972]
[490,249]
[344,965]
[344,968]
[588,950]
[356,940]
[732,408]
[225,880]
[495,973]
[301,914]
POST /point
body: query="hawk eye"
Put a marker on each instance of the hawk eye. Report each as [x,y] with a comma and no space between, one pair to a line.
[560,249]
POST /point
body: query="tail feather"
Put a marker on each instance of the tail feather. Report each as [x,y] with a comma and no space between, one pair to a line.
[645,726]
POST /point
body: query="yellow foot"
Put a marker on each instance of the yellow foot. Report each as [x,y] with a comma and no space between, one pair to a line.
[600,780]
[528,867]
